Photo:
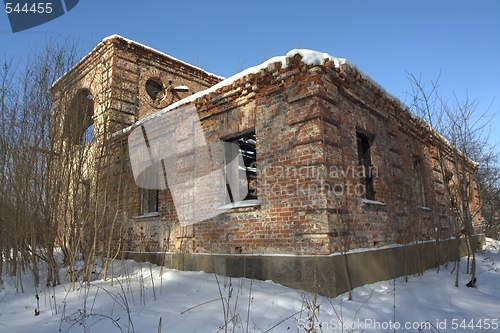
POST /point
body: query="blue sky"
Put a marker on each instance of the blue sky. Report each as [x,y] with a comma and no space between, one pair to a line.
[455,38]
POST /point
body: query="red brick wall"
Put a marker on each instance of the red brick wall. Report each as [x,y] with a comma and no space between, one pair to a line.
[305,119]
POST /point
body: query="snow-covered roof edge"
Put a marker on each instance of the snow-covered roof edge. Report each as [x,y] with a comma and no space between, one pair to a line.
[313,58]
[131,42]
[309,57]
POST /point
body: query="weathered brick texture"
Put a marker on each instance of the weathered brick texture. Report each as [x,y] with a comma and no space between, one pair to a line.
[306,119]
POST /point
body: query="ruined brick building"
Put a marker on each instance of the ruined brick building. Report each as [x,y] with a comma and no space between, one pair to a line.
[332,162]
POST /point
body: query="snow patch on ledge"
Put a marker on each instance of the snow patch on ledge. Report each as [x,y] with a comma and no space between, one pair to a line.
[372,202]
[240,204]
[185,88]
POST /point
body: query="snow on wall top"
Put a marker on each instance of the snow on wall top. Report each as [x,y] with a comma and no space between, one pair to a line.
[309,57]
[129,41]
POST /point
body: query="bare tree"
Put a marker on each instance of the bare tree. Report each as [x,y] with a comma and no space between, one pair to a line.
[88,171]
[461,158]
[55,188]
[26,110]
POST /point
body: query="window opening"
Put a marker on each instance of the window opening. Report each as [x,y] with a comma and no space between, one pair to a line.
[417,168]
[149,201]
[79,120]
[155,89]
[451,189]
[365,166]
[82,201]
[246,173]
[88,135]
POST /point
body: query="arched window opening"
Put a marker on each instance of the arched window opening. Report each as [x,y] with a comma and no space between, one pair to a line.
[79,120]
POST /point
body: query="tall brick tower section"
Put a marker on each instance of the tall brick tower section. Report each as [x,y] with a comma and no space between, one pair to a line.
[127,81]
[118,83]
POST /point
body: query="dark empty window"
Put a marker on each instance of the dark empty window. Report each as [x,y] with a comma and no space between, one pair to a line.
[246,174]
[149,201]
[82,201]
[365,165]
[155,89]
[419,182]
[452,189]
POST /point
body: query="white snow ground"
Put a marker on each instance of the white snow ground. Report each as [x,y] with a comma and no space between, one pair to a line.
[144,299]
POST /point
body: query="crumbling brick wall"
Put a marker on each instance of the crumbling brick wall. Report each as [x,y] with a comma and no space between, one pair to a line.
[306,119]
[308,122]
[114,77]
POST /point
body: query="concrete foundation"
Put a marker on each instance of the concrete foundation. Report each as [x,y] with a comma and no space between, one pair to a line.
[325,275]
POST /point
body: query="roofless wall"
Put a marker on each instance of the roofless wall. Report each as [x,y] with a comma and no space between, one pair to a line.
[340,164]
[333,163]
